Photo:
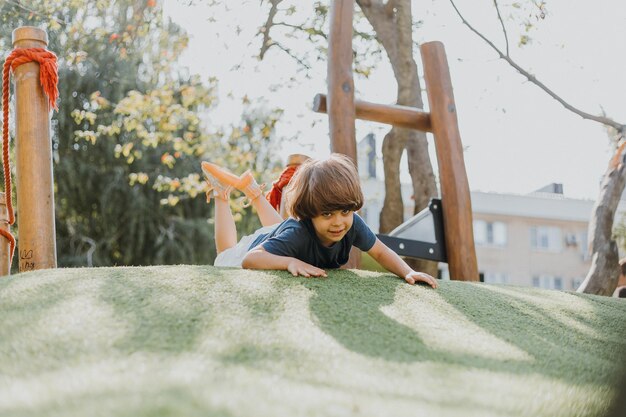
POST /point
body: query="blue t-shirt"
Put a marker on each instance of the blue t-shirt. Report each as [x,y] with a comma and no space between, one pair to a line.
[297,239]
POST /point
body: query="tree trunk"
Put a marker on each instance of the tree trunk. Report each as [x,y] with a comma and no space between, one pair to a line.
[392,23]
[604,272]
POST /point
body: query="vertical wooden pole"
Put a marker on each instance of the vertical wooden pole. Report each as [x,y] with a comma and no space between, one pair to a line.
[5,246]
[455,194]
[35,194]
[341,110]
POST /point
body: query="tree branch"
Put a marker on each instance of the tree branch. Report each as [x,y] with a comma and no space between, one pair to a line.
[291,54]
[309,30]
[265,30]
[621,128]
[506,37]
[33,11]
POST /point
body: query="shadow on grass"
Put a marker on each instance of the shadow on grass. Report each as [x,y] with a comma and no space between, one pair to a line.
[351,313]
[154,326]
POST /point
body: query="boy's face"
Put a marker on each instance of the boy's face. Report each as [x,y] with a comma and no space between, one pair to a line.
[331,226]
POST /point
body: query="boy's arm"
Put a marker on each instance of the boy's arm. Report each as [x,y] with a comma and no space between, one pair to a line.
[393,263]
[259,258]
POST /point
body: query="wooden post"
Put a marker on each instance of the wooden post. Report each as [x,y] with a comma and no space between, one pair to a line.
[5,246]
[455,194]
[35,194]
[341,112]
[341,89]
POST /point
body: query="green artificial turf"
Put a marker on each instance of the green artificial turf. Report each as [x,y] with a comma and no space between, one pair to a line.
[205,341]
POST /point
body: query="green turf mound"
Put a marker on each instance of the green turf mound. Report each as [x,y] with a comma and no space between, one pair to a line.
[204,341]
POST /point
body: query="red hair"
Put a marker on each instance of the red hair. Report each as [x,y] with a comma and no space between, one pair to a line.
[276,193]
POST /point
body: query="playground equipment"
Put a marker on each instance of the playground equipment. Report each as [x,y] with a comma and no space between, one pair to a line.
[34,74]
[441,121]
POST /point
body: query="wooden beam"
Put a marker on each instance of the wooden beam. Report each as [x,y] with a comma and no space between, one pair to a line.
[33,149]
[392,114]
[455,194]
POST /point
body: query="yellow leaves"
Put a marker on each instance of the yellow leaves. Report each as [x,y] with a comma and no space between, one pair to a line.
[171,200]
[98,102]
[188,95]
[123,149]
[523,40]
[88,135]
[127,152]
[168,160]
[266,131]
[80,115]
[138,178]
[130,104]
[54,25]
[130,124]
[110,130]
[190,186]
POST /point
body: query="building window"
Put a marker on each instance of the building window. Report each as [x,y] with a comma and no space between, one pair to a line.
[490,233]
[584,250]
[548,282]
[546,238]
[495,278]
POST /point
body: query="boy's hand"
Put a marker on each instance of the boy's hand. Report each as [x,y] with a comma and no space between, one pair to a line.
[414,276]
[297,267]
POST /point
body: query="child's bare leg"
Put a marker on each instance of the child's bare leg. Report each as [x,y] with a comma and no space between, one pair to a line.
[219,187]
[225,230]
[267,214]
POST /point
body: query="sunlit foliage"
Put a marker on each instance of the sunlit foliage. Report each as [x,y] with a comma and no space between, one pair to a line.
[130,134]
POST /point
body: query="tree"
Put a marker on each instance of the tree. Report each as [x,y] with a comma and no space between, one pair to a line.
[128,137]
[604,271]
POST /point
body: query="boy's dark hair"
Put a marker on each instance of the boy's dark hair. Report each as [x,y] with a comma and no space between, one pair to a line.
[324,185]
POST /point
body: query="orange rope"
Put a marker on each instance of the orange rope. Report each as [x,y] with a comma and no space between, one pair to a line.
[49,78]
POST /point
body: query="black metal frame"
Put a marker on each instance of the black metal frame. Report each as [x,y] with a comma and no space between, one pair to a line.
[420,249]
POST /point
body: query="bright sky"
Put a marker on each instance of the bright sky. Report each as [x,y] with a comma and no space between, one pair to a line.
[517,138]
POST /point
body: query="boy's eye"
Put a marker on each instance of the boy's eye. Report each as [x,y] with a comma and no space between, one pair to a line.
[326,214]
[344,212]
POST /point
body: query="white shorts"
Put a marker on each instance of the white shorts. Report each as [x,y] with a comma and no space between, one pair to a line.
[234,256]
